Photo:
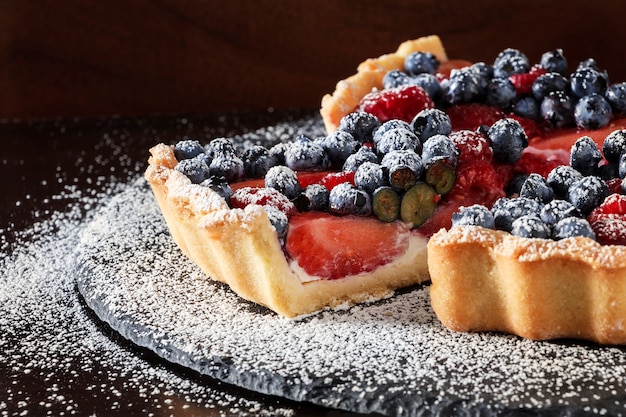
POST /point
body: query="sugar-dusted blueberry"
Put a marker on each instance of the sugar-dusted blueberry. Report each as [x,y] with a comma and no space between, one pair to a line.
[257,160]
[536,188]
[278,151]
[364,154]
[195,169]
[430,122]
[440,146]
[616,96]
[360,125]
[220,185]
[370,176]
[283,179]
[560,179]
[395,78]
[510,61]
[463,86]
[586,81]
[608,171]
[483,72]
[339,145]
[554,61]
[313,198]
[187,149]
[305,155]
[585,155]
[514,185]
[404,168]
[572,227]
[278,219]
[547,83]
[527,107]
[421,62]
[347,199]
[389,125]
[220,146]
[614,145]
[429,83]
[500,92]
[592,112]
[506,211]
[557,108]
[398,139]
[228,165]
[475,215]
[530,226]
[508,140]
[587,193]
[557,210]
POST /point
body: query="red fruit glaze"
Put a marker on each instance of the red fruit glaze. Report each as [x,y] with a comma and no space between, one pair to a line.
[470,116]
[332,247]
[608,221]
[472,146]
[396,103]
[524,82]
[263,197]
[565,138]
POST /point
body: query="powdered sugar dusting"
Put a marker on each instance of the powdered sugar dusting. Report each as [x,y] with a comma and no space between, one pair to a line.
[391,357]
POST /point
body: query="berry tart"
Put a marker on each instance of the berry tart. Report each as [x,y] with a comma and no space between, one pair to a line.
[345,218]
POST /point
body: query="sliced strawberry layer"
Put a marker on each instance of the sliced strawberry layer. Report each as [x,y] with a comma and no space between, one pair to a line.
[565,138]
[332,247]
[396,103]
[263,197]
[608,221]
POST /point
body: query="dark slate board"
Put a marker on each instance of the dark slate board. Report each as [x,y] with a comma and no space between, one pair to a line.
[392,357]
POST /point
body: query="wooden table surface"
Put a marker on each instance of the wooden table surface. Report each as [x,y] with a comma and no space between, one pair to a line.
[86,58]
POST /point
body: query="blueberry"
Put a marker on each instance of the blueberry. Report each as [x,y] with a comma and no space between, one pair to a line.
[278,219]
[557,108]
[554,61]
[536,188]
[347,199]
[530,226]
[364,154]
[463,86]
[430,122]
[547,83]
[339,145]
[588,63]
[500,92]
[592,112]
[257,160]
[278,152]
[360,125]
[314,197]
[429,83]
[283,179]
[515,184]
[369,176]
[614,145]
[510,61]
[395,78]
[557,210]
[527,107]
[228,165]
[389,125]
[440,146]
[483,72]
[586,81]
[187,149]
[508,140]
[220,146]
[404,168]
[616,96]
[421,62]
[398,139]
[509,210]
[621,167]
[587,193]
[219,184]
[195,169]
[305,155]
[608,171]
[572,227]
[585,156]
[476,215]
[560,179]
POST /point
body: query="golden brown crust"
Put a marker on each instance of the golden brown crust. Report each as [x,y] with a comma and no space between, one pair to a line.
[349,92]
[485,280]
[241,248]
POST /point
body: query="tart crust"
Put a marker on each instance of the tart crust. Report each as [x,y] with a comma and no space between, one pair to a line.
[486,280]
[349,92]
[241,248]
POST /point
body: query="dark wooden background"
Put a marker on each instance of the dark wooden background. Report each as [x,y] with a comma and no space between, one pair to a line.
[99,58]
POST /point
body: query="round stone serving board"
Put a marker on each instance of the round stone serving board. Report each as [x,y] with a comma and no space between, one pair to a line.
[392,357]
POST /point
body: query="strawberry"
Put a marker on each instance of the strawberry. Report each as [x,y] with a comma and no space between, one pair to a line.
[333,179]
[608,220]
[332,247]
[396,103]
[472,146]
[524,82]
[263,197]
[538,163]
[470,116]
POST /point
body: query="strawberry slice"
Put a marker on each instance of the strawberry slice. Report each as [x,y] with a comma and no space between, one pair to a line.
[397,103]
[263,197]
[608,220]
[470,116]
[565,138]
[332,247]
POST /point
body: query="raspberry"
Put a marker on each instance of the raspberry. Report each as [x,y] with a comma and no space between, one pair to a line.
[472,146]
[263,197]
[608,220]
[470,116]
[478,181]
[396,103]
[533,163]
[523,82]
